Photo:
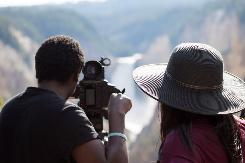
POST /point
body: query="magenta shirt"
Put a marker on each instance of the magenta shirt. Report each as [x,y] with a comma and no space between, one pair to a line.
[207,148]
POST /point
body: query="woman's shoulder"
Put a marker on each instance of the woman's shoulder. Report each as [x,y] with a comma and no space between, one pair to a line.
[175,142]
[174,148]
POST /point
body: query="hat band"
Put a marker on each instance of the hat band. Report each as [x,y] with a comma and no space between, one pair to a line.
[194,86]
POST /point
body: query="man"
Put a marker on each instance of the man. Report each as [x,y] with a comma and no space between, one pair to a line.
[39,125]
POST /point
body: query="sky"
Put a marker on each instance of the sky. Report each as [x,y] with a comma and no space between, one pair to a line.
[5,3]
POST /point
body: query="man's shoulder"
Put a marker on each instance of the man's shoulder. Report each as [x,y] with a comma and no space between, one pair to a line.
[13,98]
[70,104]
[33,100]
[73,109]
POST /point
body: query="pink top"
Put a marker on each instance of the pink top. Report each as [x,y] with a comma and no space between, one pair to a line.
[207,148]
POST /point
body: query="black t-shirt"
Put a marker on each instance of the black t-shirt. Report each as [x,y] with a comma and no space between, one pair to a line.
[38,126]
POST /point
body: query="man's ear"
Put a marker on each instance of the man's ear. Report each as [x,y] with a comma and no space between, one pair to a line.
[75,76]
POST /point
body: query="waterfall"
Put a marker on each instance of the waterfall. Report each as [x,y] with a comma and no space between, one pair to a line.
[143,107]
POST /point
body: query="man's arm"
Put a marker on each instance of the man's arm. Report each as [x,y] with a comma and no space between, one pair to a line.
[94,151]
[90,152]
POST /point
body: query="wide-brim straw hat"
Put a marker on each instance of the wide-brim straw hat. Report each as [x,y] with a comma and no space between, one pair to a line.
[194,81]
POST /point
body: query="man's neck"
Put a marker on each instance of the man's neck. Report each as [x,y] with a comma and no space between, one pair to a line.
[56,87]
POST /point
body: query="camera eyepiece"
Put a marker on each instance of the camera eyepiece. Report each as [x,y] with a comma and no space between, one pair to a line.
[93,70]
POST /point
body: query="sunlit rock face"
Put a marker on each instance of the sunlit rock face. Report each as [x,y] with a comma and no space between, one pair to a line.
[15,69]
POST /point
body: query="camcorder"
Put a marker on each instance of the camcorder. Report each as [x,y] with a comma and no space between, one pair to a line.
[94,93]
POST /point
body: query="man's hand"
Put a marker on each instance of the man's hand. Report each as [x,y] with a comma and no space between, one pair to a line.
[119,103]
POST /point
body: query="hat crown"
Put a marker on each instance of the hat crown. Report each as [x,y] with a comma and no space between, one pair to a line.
[197,65]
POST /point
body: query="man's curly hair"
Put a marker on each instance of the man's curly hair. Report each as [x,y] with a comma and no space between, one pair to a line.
[58,58]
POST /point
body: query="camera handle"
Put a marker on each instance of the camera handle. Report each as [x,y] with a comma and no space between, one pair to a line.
[105,61]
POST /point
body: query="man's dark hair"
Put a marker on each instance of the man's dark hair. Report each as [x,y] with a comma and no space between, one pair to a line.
[58,58]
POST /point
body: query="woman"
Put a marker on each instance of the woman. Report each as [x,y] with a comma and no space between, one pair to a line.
[197,101]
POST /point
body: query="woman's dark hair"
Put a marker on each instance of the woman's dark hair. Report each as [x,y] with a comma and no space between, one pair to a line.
[58,58]
[225,127]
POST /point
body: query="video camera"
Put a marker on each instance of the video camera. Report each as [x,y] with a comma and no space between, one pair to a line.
[94,92]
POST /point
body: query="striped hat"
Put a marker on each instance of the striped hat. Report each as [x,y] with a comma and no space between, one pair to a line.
[194,81]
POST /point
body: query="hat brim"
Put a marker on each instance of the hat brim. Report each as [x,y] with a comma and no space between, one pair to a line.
[226,100]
